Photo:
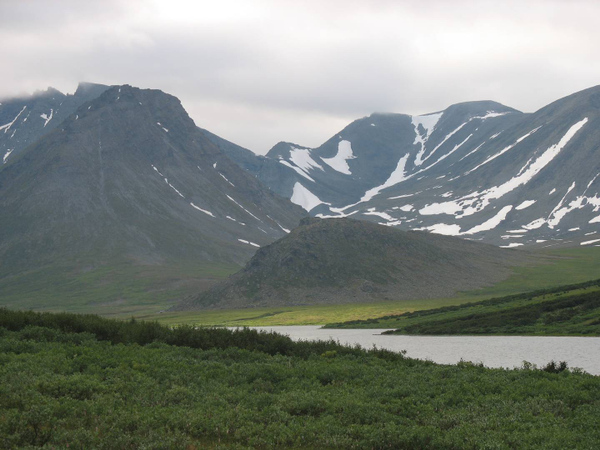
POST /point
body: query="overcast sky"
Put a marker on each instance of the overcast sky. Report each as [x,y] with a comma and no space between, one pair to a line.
[258,72]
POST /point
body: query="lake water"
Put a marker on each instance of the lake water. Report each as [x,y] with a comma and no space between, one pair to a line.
[492,351]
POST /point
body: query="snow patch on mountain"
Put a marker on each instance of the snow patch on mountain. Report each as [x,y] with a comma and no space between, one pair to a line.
[578,203]
[456,147]
[230,198]
[491,114]
[492,223]
[397,176]
[301,157]
[511,245]
[450,208]
[157,171]
[590,242]
[340,161]
[428,122]
[477,201]
[174,188]
[225,178]
[383,215]
[47,118]
[243,241]
[7,126]
[448,136]
[504,150]
[167,181]
[278,224]
[595,220]
[296,169]
[202,210]
[443,228]
[525,204]
[234,220]
[471,152]
[304,198]
[6,155]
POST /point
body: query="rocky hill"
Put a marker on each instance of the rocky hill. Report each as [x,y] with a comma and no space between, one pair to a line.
[331,261]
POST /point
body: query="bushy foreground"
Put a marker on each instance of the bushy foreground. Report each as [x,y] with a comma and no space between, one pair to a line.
[80,388]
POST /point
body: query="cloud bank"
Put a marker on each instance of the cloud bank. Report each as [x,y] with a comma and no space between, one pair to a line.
[257,72]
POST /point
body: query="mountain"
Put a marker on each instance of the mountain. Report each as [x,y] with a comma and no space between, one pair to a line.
[26,119]
[333,261]
[480,170]
[269,171]
[128,179]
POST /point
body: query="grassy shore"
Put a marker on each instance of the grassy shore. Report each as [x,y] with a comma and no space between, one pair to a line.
[572,310]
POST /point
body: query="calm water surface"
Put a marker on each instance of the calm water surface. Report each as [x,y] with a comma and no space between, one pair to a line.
[492,351]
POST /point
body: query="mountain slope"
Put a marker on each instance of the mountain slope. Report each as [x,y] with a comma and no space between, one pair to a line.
[268,170]
[478,169]
[24,120]
[330,261]
[129,178]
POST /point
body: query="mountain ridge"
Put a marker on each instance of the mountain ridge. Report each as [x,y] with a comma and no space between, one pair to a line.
[24,120]
[476,169]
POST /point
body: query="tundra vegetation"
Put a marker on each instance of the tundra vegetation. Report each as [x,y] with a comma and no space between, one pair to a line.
[565,310]
[82,381]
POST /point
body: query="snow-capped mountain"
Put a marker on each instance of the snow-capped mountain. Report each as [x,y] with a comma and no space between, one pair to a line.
[479,170]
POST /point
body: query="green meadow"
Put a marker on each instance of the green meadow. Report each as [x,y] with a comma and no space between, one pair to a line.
[118,289]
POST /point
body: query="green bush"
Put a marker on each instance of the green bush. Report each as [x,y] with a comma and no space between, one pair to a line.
[85,382]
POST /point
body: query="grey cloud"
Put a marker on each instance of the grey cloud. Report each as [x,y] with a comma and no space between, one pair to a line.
[300,70]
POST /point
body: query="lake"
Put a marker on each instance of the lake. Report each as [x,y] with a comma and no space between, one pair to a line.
[492,351]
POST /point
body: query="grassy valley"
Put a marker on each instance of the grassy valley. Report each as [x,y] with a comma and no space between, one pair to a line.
[117,289]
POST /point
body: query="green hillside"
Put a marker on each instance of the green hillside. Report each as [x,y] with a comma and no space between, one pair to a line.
[566,310]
